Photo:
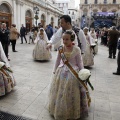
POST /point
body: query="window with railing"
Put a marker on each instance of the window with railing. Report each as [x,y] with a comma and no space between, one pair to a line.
[114,1]
[86,2]
[96,1]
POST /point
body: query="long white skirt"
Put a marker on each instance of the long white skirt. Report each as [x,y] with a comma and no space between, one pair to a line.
[40,52]
[88,59]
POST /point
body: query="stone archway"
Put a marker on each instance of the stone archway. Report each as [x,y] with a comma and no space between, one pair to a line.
[104,9]
[43,20]
[5,14]
[28,19]
[52,21]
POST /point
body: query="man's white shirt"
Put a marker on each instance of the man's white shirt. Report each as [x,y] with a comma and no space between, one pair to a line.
[58,35]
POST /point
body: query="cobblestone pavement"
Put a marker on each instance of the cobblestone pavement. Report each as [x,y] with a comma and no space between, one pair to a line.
[30,95]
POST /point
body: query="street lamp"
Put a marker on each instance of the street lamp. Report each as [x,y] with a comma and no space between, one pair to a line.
[36,11]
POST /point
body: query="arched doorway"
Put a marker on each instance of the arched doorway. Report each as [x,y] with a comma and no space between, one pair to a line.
[28,19]
[43,20]
[52,21]
[5,14]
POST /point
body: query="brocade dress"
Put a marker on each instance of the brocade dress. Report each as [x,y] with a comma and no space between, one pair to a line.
[7,81]
[67,98]
[88,59]
[40,52]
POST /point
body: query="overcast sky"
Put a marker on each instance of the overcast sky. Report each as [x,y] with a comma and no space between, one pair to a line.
[77,2]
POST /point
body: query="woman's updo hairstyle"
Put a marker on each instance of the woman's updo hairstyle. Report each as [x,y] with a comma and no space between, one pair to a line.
[72,35]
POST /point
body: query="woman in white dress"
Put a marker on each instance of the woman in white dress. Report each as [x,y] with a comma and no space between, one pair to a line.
[94,39]
[40,52]
[88,55]
[7,81]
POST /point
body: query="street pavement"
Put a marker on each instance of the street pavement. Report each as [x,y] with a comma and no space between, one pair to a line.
[30,96]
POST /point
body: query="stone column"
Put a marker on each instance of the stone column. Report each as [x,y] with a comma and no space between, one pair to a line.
[56,20]
[48,20]
[19,13]
[14,12]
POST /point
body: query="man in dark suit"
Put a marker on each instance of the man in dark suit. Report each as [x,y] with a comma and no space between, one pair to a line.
[4,38]
[118,60]
[112,43]
[23,33]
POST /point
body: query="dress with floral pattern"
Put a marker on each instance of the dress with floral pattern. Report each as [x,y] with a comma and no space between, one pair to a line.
[40,52]
[7,82]
[88,59]
[67,98]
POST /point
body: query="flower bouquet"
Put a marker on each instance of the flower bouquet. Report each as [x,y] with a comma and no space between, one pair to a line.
[84,75]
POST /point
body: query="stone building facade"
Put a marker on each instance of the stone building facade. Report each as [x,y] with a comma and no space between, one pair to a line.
[91,7]
[21,12]
[68,6]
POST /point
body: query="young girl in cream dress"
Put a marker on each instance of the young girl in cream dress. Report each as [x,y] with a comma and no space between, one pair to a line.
[67,98]
[94,39]
[88,59]
[40,52]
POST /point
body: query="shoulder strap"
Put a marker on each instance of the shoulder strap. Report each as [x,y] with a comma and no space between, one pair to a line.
[65,61]
[74,73]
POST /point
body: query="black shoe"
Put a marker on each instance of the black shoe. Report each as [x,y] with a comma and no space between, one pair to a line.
[8,59]
[114,57]
[21,43]
[115,73]
[15,51]
[110,57]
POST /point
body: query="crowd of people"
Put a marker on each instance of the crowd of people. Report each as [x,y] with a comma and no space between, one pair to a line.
[68,95]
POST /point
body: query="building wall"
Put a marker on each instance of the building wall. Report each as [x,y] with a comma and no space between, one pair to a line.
[18,9]
[88,9]
[99,1]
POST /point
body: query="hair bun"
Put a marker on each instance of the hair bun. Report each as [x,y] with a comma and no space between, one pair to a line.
[72,35]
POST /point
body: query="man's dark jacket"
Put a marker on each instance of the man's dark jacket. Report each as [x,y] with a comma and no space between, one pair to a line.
[22,31]
[4,36]
[113,37]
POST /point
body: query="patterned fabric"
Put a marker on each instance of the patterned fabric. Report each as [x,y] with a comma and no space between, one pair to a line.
[67,98]
[88,55]
[7,82]
[40,52]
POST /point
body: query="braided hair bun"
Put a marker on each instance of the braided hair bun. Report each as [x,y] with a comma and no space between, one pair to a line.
[72,35]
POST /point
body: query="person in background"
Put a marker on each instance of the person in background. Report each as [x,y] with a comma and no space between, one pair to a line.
[4,38]
[23,33]
[113,36]
[40,52]
[13,36]
[118,60]
[105,35]
[49,31]
[88,59]
[94,39]
[31,36]
[65,22]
